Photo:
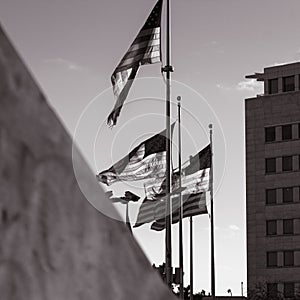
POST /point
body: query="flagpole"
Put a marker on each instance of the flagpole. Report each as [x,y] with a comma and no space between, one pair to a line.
[191,260]
[168,69]
[180,203]
[127,217]
[212,217]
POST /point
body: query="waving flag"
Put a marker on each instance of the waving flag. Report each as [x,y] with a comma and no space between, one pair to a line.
[151,210]
[193,205]
[195,176]
[147,160]
[156,188]
[194,181]
[145,49]
[147,211]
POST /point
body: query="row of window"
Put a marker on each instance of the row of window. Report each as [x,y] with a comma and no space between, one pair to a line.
[288,195]
[287,227]
[288,84]
[286,132]
[288,289]
[286,163]
[288,258]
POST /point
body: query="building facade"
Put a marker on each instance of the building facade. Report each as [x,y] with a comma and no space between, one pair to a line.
[272,132]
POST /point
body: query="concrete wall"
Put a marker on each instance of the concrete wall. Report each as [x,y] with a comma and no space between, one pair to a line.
[53,243]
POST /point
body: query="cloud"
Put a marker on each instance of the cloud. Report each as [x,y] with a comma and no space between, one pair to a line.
[234,227]
[216,228]
[72,66]
[249,85]
[223,87]
[228,233]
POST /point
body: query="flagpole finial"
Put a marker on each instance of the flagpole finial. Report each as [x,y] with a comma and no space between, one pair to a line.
[179,103]
[210,126]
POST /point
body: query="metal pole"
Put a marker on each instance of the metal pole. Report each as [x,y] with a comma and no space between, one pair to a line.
[213,292]
[242,288]
[180,203]
[168,209]
[191,260]
[127,217]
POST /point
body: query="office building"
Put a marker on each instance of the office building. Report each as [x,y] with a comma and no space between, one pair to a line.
[272,133]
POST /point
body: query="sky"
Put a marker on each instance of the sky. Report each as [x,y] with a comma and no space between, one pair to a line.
[72,47]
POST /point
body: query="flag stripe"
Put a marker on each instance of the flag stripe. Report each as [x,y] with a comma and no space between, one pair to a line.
[195,176]
[120,79]
[151,165]
[143,45]
[160,225]
[145,38]
[135,51]
[147,35]
[154,187]
[143,32]
[135,163]
[121,94]
[151,210]
[146,213]
[147,160]
[202,160]
[158,207]
[195,180]
[145,49]
[195,183]
[196,205]
[138,56]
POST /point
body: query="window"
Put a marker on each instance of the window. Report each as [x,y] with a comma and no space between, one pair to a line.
[287,195]
[270,134]
[287,163]
[288,226]
[271,196]
[289,289]
[272,289]
[286,132]
[273,86]
[270,165]
[288,258]
[271,259]
[271,227]
[288,83]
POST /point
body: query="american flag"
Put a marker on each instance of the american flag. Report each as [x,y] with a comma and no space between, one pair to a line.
[145,49]
[195,180]
[195,177]
[147,160]
[193,205]
[147,212]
